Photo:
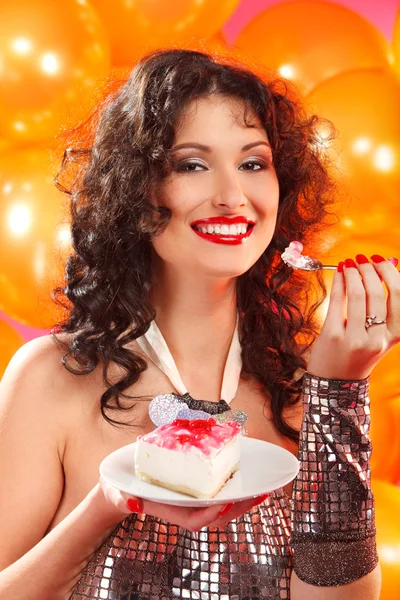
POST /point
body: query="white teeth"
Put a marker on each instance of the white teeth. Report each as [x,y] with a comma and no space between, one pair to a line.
[223,229]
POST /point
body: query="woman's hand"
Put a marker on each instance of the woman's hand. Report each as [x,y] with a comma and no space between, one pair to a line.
[192,519]
[345,348]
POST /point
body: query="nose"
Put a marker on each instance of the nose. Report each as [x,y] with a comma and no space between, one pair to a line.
[229,193]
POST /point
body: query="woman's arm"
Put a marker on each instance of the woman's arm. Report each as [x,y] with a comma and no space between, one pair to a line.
[366,588]
[333,535]
[34,418]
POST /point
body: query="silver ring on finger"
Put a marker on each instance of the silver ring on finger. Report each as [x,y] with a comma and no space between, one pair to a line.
[372,320]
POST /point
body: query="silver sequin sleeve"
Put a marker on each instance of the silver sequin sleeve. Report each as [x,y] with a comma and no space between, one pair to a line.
[333,528]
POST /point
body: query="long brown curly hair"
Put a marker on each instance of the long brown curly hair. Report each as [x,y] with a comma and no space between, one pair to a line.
[123,153]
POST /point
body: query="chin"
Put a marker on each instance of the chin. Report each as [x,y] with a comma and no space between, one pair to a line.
[225,271]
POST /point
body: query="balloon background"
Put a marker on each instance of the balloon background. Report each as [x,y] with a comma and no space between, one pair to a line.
[345,57]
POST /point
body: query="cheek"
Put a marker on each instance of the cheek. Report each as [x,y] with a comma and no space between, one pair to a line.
[179,195]
[171,242]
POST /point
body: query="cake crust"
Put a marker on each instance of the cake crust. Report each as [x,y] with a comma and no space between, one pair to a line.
[186,490]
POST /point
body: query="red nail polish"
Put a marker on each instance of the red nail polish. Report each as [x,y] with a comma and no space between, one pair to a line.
[260,499]
[376,258]
[226,509]
[394,260]
[361,259]
[135,505]
[349,263]
[340,267]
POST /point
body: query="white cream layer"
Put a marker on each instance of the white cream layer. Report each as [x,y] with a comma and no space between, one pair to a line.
[186,469]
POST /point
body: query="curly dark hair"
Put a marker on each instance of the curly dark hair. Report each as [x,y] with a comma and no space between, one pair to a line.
[123,153]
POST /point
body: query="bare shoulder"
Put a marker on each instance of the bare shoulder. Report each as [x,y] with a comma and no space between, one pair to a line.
[37,383]
[35,418]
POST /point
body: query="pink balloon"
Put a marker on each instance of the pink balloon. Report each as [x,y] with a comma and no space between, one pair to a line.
[381,14]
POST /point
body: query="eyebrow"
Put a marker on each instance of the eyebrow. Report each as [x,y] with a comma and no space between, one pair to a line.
[208,149]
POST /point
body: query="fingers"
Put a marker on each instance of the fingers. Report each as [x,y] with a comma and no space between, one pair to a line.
[237,509]
[375,298]
[353,298]
[190,518]
[391,277]
[336,313]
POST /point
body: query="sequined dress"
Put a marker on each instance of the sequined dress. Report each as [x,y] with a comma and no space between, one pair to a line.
[330,515]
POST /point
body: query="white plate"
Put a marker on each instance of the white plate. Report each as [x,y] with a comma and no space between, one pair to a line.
[264,467]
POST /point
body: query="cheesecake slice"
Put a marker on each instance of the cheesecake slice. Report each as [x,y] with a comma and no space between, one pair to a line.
[192,457]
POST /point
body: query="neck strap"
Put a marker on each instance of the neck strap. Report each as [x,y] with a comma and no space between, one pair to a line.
[155,346]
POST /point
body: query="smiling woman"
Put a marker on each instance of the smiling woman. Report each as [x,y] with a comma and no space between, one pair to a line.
[189,184]
[223,187]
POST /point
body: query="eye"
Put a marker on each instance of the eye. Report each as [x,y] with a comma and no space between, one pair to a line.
[253,164]
[190,166]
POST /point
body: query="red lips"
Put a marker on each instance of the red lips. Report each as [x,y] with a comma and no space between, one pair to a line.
[225,220]
[227,239]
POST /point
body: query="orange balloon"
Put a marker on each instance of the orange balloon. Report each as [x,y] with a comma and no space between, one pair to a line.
[138,27]
[309,42]
[385,378]
[35,237]
[53,56]
[387,503]
[10,341]
[385,436]
[365,108]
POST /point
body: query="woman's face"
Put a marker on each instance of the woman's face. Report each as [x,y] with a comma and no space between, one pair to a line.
[223,192]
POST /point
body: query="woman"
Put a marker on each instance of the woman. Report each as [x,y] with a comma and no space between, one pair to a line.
[189,147]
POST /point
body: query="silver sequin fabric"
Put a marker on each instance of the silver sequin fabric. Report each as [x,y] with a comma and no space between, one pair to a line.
[326,531]
[333,533]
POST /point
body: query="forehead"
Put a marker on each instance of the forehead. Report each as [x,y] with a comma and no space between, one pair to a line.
[207,116]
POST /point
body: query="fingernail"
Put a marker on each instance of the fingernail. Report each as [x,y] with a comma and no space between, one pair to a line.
[361,259]
[135,505]
[394,260]
[260,499]
[226,509]
[376,258]
[349,263]
[340,267]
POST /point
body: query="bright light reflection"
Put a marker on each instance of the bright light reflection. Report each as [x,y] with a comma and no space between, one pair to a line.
[19,126]
[389,554]
[49,63]
[287,71]
[323,138]
[7,188]
[64,235]
[348,222]
[19,219]
[21,45]
[362,145]
[384,158]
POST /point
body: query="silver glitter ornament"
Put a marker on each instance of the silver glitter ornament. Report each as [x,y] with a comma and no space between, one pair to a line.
[165,408]
[192,415]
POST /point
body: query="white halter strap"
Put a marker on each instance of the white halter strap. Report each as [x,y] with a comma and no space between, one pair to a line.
[155,346]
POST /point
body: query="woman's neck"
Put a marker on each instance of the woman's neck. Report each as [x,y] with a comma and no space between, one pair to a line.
[197,318]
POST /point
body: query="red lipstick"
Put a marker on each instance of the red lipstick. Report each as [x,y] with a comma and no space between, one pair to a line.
[224,238]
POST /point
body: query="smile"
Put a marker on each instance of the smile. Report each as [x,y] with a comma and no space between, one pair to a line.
[224,230]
